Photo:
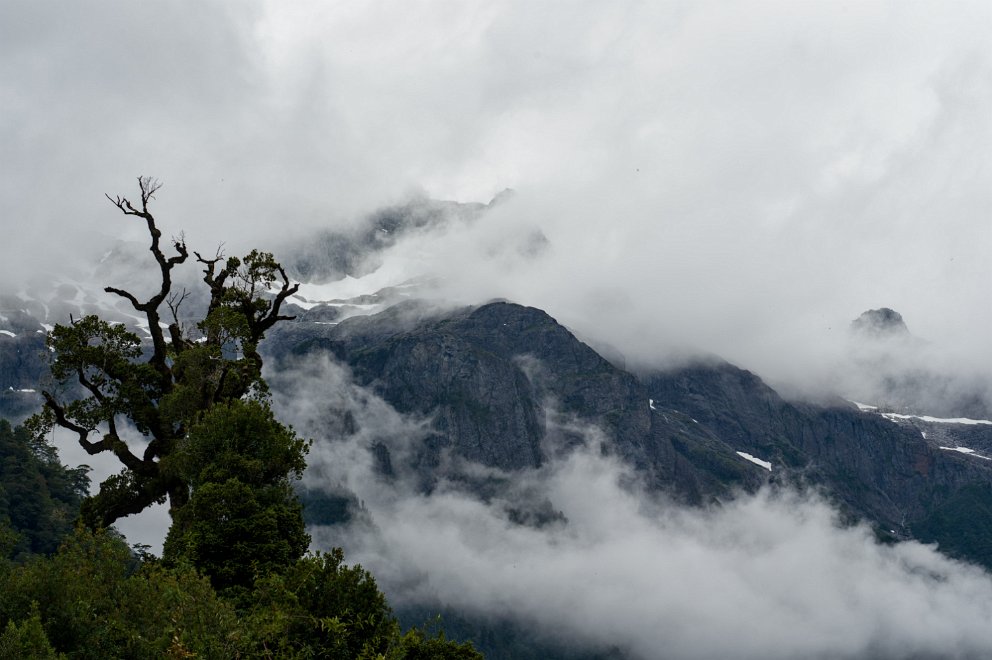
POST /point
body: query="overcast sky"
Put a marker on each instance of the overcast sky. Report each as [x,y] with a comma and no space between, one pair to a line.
[745,176]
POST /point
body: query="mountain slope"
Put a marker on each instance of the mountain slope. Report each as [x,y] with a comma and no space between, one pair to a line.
[490,374]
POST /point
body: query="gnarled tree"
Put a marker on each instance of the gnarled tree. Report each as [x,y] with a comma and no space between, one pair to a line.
[106,374]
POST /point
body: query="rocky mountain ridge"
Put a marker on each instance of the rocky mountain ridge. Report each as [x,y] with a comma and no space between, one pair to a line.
[488,376]
[700,433]
[498,379]
[507,388]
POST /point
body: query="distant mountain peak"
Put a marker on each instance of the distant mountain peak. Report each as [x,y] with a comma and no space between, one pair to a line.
[880,323]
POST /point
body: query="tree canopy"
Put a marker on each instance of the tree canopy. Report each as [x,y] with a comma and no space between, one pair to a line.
[39,497]
[243,519]
[107,377]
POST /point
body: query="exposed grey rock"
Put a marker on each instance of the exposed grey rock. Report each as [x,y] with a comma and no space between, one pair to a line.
[332,254]
[877,323]
[489,374]
[506,386]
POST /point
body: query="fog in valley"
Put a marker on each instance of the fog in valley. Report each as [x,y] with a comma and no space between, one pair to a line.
[774,575]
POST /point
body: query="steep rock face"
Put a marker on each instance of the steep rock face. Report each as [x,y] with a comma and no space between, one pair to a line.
[878,469]
[489,374]
[22,366]
[484,407]
[733,403]
[877,323]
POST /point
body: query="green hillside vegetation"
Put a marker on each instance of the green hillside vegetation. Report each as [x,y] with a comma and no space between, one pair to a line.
[235,579]
[94,599]
[39,497]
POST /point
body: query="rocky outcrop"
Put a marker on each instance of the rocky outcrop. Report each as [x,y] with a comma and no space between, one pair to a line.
[875,468]
[332,254]
[23,364]
[882,322]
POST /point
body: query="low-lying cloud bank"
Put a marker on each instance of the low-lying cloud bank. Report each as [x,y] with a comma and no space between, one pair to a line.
[767,576]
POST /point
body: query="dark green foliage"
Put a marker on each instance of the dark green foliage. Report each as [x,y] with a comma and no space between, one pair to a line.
[962,524]
[91,604]
[243,519]
[322,608]
[176,612]
[419,646]
[503,638]
[242,440]
[39,497]
[234,533]
[27,640]
[73,587]
[92,600]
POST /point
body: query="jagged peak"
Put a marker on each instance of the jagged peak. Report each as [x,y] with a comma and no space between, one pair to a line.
[880,323]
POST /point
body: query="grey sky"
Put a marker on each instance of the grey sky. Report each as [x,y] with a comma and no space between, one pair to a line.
[742,176]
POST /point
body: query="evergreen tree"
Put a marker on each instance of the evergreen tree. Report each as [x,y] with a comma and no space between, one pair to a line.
[39,497]
[243,519]
[165,389]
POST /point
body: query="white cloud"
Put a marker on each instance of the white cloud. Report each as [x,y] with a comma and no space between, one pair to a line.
[772,575]
[748,175]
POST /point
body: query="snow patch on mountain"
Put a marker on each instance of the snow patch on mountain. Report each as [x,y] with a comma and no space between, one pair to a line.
[969,452]
[897,417]
[937,420]
[757,461]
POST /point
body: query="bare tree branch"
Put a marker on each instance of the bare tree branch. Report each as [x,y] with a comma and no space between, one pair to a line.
[64,422]
[124,294]
[148,186]
[117,381]
[174,301]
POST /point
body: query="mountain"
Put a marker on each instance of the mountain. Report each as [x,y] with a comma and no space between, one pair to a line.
[894,369]
[698,433]
[501,390]
[491,378]
[355,251]
[878,323]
